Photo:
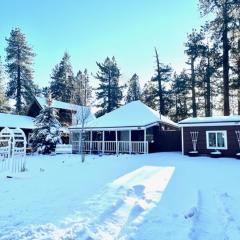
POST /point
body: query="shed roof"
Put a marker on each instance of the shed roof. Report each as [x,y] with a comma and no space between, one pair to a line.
[134,114]
[16,121]
[211,121]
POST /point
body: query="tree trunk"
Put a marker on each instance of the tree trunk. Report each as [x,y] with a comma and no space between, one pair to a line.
[18,93]
[226,49]
[194,106]
[161,103]
[208,91]
[160,95]
[109,108]
[238,76]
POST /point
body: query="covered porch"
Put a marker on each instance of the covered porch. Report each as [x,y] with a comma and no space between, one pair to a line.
[112,140]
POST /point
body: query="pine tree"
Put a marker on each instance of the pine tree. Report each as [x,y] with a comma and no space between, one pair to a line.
[19,58]
[193,50]
[109,93]
[221,26]
[134,91]
[2,93]
[162,78]
[181,95]
[47,132]
[82,90]
[235,59]
[149,95]
[62,84]
[207,71]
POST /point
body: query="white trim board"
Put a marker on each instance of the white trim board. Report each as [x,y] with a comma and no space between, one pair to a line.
[210,124]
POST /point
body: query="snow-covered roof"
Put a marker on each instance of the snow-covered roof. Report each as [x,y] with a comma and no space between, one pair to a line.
[16,121]
[58,104]
[134,114]
[67,106]
[215,120]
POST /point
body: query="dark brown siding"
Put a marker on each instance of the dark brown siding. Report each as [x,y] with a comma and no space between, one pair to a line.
[233,147]
[34,110]
[165,141]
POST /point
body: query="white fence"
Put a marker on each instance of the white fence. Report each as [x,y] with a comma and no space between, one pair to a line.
[13,164]
[111,146]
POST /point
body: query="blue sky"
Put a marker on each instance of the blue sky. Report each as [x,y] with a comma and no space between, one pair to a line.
[91,30]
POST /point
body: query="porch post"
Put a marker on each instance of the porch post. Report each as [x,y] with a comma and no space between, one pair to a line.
[182,132]
[103,141]
[116,140]
[145,139]
[91,142]
[130,141]
[79,141]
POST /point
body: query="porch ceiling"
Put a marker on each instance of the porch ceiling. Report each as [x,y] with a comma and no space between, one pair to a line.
[116,128]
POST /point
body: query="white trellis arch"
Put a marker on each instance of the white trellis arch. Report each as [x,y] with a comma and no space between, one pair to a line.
[194,136]
[12,149]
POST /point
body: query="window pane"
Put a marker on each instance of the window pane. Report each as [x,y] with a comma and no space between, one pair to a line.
[220,140]
[212,139]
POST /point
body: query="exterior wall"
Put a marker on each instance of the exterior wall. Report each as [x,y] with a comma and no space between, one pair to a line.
[232,142]
[64,117]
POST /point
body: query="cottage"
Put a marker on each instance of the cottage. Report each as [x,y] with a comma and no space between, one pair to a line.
[66,112]
[211,135]
[132,128]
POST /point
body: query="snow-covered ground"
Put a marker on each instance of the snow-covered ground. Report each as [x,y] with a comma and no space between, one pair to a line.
[157,196]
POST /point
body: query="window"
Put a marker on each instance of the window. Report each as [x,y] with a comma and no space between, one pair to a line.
[216,139]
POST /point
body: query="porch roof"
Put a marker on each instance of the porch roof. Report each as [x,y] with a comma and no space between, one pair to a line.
[133,115]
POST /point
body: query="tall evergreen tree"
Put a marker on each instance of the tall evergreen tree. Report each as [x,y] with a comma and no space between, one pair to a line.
[193,49]
[82,90]
[2,93]
[207,71]
[109,92]
[47,132]
[162,77]
[149,94]
[62,84]
[221,25]
[134,91]
[181,88]
[235,57]
[19,58]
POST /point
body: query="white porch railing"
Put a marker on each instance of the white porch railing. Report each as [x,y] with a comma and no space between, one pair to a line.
[112,146]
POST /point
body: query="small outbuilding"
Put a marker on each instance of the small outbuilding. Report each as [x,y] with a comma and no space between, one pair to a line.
[132,128]
[25,123]
[218,135]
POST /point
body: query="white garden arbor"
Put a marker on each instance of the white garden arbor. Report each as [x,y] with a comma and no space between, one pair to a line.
[12,149]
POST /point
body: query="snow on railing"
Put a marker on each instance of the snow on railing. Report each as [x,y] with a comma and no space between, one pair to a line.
[112,146]
[116,146]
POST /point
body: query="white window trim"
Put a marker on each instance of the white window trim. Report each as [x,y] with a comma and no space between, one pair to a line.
[225,138]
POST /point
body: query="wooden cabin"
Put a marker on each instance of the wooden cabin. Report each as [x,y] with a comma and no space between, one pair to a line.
[132,128]
[66,113]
